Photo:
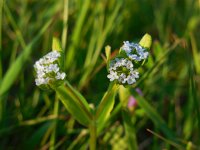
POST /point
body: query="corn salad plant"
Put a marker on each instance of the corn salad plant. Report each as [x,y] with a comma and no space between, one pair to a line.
[122,71]
[129,97]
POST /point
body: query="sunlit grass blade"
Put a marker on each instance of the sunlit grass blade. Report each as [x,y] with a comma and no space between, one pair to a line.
[96,32]
[76,34]
[65,26]
[17,66]
[99,45]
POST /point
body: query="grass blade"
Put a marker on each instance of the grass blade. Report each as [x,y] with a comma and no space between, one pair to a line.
[154,116]
[65,26]
[17,66]
[76,34]
[166,140]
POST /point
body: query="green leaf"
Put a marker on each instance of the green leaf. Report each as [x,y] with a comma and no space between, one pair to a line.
[106,105]
[75,103]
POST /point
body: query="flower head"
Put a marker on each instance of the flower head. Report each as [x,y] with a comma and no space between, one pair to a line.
[123,68]
[48,70]
[122,71]
[134,51]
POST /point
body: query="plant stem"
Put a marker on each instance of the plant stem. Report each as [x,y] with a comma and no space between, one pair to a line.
[53,135]
[93,135]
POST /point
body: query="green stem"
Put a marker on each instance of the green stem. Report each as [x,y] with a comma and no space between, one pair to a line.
[53,135]
[93,136]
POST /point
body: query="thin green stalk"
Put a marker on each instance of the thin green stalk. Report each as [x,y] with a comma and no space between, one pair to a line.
[53,135]
[27,123]
[171,142]
[83,133]
[93,135]
[65,26]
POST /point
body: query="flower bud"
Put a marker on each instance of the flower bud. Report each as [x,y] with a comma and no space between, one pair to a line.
[132,104]
[146,41]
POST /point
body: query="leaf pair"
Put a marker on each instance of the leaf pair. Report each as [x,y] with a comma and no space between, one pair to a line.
[78,106]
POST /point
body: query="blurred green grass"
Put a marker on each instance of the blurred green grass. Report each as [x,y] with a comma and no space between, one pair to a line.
[85,27]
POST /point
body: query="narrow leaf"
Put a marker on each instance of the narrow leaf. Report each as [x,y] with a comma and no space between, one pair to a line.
[74,103]
[154,116]
[106,105]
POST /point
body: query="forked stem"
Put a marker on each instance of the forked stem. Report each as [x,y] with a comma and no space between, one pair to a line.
[93,135]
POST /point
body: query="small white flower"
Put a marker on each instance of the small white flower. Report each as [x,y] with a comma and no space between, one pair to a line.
[60,75]
[134,51]
[121,70]
[52,68]
[112,76]
[47,69]
[131,80]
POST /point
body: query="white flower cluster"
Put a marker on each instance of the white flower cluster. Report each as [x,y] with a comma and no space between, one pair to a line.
[121,69]
[134,51]
[47,69]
